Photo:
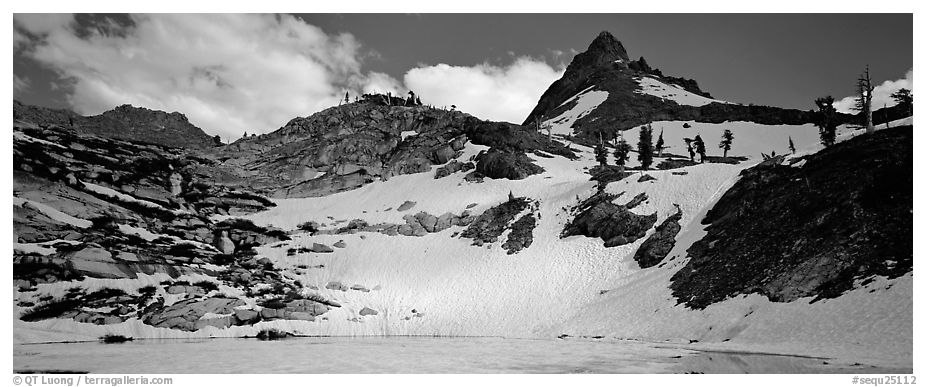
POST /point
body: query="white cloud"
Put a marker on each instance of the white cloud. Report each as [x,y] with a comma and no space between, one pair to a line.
[498,93]
[238,73]
[229,74]
[881,95]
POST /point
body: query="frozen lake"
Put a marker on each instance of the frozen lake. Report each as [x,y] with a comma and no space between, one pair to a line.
[406,355]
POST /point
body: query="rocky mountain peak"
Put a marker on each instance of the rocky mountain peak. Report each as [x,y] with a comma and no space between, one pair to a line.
[124,122]
[603,50]
[127,112]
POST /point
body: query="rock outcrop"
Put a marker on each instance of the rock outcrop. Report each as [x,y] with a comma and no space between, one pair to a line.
[599,217]
[491,224]
[124,122]
[816,230]
[499,164]
[655,248]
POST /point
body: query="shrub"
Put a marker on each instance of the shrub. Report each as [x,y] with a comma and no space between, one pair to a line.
[207,285]
[309,226]
[272,303]
[104,222]
[147,290]
[105,293]
[272,334]
[50,309]
[184,249]
[112,339]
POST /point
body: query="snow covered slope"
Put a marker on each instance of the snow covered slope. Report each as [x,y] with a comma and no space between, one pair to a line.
[555,285]
[440,284]
[657,88]
[585,102]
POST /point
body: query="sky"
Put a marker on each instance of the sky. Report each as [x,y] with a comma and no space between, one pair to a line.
[237,73]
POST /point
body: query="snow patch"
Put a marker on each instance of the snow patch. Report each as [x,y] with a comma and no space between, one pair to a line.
[586,102]
[53,213]
[119,195]
[654,87]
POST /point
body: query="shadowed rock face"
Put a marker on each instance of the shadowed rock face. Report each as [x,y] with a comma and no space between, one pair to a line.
[655,248]
[598,217]
[506,165]
[790,232]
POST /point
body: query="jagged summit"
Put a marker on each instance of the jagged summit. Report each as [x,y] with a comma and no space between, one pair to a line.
[603,50]
[604,91]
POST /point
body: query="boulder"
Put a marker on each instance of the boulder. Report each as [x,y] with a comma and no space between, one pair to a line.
[360,288]
[335,285]
[443,154]
[448,169]
[127,256]
[444,221]
[307,306]
[598,217]
[299,316]
[406,206]
[320,248]
[220,322]
[247,316]
[645,177]
[223,243]
[184,315]
[94,261]
[368,312]
[340,244]
[499,164]
[271,314]
[427,221]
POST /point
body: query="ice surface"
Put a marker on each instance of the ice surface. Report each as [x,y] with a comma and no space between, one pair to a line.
[408,355]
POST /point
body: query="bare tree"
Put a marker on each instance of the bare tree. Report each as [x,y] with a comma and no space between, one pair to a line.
[863,101]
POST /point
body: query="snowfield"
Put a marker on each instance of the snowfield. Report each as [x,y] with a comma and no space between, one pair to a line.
[657,88]
[440,284]
[586,101]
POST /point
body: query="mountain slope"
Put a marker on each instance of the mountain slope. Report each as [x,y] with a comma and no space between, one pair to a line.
[630,93]
[123,122]
[390,219]
[351,145]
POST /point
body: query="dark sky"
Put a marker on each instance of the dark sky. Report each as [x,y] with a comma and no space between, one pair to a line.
[780,59]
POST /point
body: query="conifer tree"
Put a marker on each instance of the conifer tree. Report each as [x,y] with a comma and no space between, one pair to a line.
[691,151]
[699,147]
[826,120]
[621,153]
[601,155]
[725,141]
[645,146]
[660,144]
[904,99]
[791,145]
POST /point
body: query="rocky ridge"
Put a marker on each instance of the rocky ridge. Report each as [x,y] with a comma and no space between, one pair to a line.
[606,66]
[124,122]
[817,226]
